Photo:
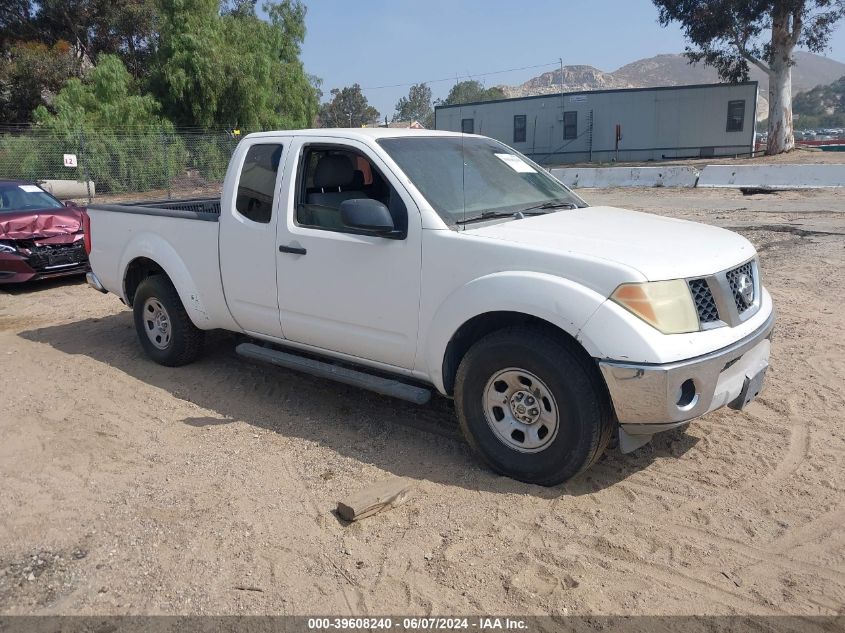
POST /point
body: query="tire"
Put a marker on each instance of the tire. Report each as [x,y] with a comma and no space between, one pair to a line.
[560,390]
[171,340]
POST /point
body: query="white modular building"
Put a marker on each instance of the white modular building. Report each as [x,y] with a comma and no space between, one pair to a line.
[631,124]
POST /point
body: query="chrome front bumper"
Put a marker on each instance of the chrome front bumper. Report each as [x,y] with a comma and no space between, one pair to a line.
[653,398]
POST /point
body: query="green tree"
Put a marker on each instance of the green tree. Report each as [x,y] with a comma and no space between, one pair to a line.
[416,106]
[125,143]
[348,108]
[731,34]
[471,91]
[238,7]
[31,73]
[16,22]
[93,27]
[45,42]
[107,97]
[233,68]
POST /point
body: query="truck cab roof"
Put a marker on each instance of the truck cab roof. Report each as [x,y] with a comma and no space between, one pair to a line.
[358,133]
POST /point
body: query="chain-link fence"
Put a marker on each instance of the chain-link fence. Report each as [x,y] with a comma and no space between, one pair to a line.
[151,161]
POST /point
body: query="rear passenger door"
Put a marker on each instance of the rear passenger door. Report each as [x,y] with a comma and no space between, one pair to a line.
[341,291]
[248,237]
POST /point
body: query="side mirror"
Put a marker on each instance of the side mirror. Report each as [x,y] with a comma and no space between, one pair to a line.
[70,203]
[367,215]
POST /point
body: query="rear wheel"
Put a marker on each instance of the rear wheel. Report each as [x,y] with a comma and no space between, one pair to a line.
[166,332]
[532,406]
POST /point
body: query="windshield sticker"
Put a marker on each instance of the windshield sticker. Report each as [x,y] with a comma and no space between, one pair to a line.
[516,163]
[31,188]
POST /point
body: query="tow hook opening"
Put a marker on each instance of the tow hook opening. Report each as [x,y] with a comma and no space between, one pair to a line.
[687,396]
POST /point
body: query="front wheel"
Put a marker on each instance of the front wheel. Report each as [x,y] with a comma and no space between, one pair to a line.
[532,406]
[166,332]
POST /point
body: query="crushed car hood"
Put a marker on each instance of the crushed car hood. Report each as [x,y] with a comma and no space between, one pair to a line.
[50,223]
[658,247]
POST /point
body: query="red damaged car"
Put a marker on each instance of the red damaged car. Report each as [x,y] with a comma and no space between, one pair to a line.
[39,236]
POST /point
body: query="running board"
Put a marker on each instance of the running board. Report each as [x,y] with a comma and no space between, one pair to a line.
[345,375]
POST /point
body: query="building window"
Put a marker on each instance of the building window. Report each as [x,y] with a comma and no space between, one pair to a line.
[519,125]
[467,126]
[570,125]
[736,115]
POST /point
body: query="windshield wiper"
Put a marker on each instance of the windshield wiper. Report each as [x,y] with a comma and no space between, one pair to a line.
[538,209]
[489,215]
[551,204]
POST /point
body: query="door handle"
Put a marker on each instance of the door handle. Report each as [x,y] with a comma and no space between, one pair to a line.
[296,250]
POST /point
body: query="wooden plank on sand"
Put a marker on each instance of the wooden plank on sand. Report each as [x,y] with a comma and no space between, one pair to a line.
[380,496]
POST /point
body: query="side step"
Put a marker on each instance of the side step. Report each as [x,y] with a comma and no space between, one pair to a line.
[345,375]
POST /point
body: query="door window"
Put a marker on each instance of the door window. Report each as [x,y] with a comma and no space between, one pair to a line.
[257,182]
[331,174]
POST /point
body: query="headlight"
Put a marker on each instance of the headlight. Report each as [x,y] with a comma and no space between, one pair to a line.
[5,247]
[666,305]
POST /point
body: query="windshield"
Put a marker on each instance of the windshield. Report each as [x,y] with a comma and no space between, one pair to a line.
[465,178]
[14,197]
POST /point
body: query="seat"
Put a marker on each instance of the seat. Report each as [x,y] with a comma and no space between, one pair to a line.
[333,172]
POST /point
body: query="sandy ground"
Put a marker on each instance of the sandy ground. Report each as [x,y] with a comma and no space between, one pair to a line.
[126,487]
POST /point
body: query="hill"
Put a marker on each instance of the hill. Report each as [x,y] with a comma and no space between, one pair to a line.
[823,106]
[673,70]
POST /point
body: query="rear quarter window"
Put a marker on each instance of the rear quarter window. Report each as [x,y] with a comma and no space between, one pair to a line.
[257,182]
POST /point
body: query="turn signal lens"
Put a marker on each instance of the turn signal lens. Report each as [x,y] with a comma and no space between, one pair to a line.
[666,305]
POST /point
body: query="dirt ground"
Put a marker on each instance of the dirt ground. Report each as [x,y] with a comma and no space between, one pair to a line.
[126,487]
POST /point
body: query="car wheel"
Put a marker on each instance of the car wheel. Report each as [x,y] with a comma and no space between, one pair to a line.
[166,332]
[532,405]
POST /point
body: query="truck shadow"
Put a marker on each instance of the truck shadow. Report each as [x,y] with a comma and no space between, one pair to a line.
[420,442]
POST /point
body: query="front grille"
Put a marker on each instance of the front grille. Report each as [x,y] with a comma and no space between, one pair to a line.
[51,255]
[734,276]
[705,305]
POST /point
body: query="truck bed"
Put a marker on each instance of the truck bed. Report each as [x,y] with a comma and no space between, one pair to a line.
[206,209]
[180,236]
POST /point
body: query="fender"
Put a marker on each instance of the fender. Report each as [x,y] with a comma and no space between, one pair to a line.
[156,248]
[561,302]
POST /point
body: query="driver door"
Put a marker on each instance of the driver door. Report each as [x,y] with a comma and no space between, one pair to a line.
[339,290]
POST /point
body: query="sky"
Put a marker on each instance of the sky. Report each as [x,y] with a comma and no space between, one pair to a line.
[387,42]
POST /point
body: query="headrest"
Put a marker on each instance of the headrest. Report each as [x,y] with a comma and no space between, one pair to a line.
[333,170]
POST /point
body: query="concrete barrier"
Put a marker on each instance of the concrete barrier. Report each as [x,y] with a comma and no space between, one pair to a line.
[64,189]
[667,176]
[773,176]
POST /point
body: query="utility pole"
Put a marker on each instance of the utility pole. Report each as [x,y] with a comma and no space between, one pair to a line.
[562,108]
[560,59]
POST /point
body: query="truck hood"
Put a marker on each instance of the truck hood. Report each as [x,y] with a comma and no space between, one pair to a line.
[656,246]
[27,225]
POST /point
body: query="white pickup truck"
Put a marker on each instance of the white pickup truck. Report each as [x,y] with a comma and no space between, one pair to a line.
[408,261]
